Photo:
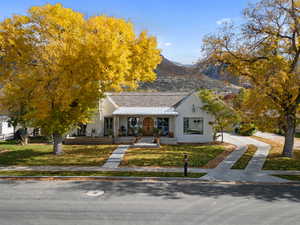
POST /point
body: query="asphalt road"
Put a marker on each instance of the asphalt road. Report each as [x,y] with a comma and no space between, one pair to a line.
[67,203]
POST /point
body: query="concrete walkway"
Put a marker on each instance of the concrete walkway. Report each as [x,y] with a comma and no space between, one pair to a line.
[116,157]
[253,172]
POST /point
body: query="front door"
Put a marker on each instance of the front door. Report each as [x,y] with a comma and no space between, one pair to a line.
[148,125]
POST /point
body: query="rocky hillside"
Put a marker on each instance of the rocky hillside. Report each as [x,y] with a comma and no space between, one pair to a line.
[175,77]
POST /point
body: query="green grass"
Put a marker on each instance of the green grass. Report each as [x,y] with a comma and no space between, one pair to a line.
[172,156]
[297,135]
[41,155]
[98,173]
[245,159]
[275,160]
[288,177]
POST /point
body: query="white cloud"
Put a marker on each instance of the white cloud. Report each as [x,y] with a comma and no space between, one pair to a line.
[224,21]
[167,43]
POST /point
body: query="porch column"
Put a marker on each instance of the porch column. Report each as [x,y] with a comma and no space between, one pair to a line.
[174,126]
[116,126]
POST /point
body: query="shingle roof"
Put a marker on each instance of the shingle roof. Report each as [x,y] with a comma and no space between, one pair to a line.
[147,99]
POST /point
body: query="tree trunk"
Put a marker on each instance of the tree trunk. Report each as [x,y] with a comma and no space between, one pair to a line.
[15,136]
[222,133]
[57,145]
[289,136]
[215,136]
[24,136]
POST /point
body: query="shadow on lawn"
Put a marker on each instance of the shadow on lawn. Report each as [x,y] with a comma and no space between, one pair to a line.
[174,190]
[20,156]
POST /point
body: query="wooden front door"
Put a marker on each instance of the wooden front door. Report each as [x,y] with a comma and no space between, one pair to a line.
[148,125]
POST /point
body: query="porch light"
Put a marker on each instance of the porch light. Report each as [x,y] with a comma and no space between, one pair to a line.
[193,108]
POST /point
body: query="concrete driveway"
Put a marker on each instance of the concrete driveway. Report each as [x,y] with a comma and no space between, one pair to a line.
[277,138]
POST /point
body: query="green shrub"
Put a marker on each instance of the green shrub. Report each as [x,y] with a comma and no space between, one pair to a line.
[246,129]
[40,139]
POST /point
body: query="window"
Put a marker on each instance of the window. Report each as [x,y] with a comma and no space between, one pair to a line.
[193,125]
[133,124]
[108,126]
[163,125]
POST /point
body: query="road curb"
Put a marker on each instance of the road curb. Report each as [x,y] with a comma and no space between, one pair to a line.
[143,179]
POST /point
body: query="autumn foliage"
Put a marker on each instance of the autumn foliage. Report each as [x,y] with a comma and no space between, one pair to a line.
[56,64]
[264,52]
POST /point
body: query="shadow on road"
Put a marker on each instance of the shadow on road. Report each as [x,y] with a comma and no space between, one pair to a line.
[176,190]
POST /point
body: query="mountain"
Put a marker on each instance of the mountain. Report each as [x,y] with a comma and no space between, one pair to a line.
[215,72]
[172,76]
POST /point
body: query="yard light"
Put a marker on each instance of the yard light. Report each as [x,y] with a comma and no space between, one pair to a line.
[186,159]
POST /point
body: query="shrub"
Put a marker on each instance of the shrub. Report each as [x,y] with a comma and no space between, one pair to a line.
[246,129]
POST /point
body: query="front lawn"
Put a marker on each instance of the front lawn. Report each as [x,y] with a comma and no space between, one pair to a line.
[172,155]
[275,161]
[288,177]
[41,155]
[99,173]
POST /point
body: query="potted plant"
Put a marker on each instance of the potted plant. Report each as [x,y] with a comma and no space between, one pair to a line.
[93,133]
[110,133]
[156,133]
[140,132]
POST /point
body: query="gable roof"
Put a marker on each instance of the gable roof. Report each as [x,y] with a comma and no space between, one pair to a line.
[147,99]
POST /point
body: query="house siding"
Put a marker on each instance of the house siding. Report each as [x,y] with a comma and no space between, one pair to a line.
[105,109]
[6,131]
[185,111]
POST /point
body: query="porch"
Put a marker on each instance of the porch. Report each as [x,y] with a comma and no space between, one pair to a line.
[133,125]
[129,122]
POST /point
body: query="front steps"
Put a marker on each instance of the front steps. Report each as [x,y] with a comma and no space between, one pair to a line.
[145,142]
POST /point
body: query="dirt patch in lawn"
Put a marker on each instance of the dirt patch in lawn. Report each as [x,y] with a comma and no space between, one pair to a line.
[216,161]
[3,151]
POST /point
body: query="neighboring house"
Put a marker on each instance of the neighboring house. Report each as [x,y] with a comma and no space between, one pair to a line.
[298,128]
[6,129]
[178,115]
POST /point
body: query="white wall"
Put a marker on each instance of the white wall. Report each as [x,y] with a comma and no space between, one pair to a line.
[5,128]
[185,110]
[6,131]
[105,109]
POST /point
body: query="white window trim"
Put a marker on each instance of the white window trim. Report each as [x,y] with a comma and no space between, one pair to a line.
[193,117]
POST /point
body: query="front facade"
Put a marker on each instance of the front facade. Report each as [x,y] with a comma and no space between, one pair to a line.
[177,116]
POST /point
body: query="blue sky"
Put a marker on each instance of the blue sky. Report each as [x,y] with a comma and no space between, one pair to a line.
[179,25]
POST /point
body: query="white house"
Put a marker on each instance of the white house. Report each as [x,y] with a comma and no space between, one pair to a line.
[178,116]
[6,129]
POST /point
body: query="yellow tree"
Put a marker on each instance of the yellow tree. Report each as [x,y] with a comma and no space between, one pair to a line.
[63,63]
[265,52]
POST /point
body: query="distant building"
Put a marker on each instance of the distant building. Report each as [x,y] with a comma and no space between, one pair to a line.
[6,129]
